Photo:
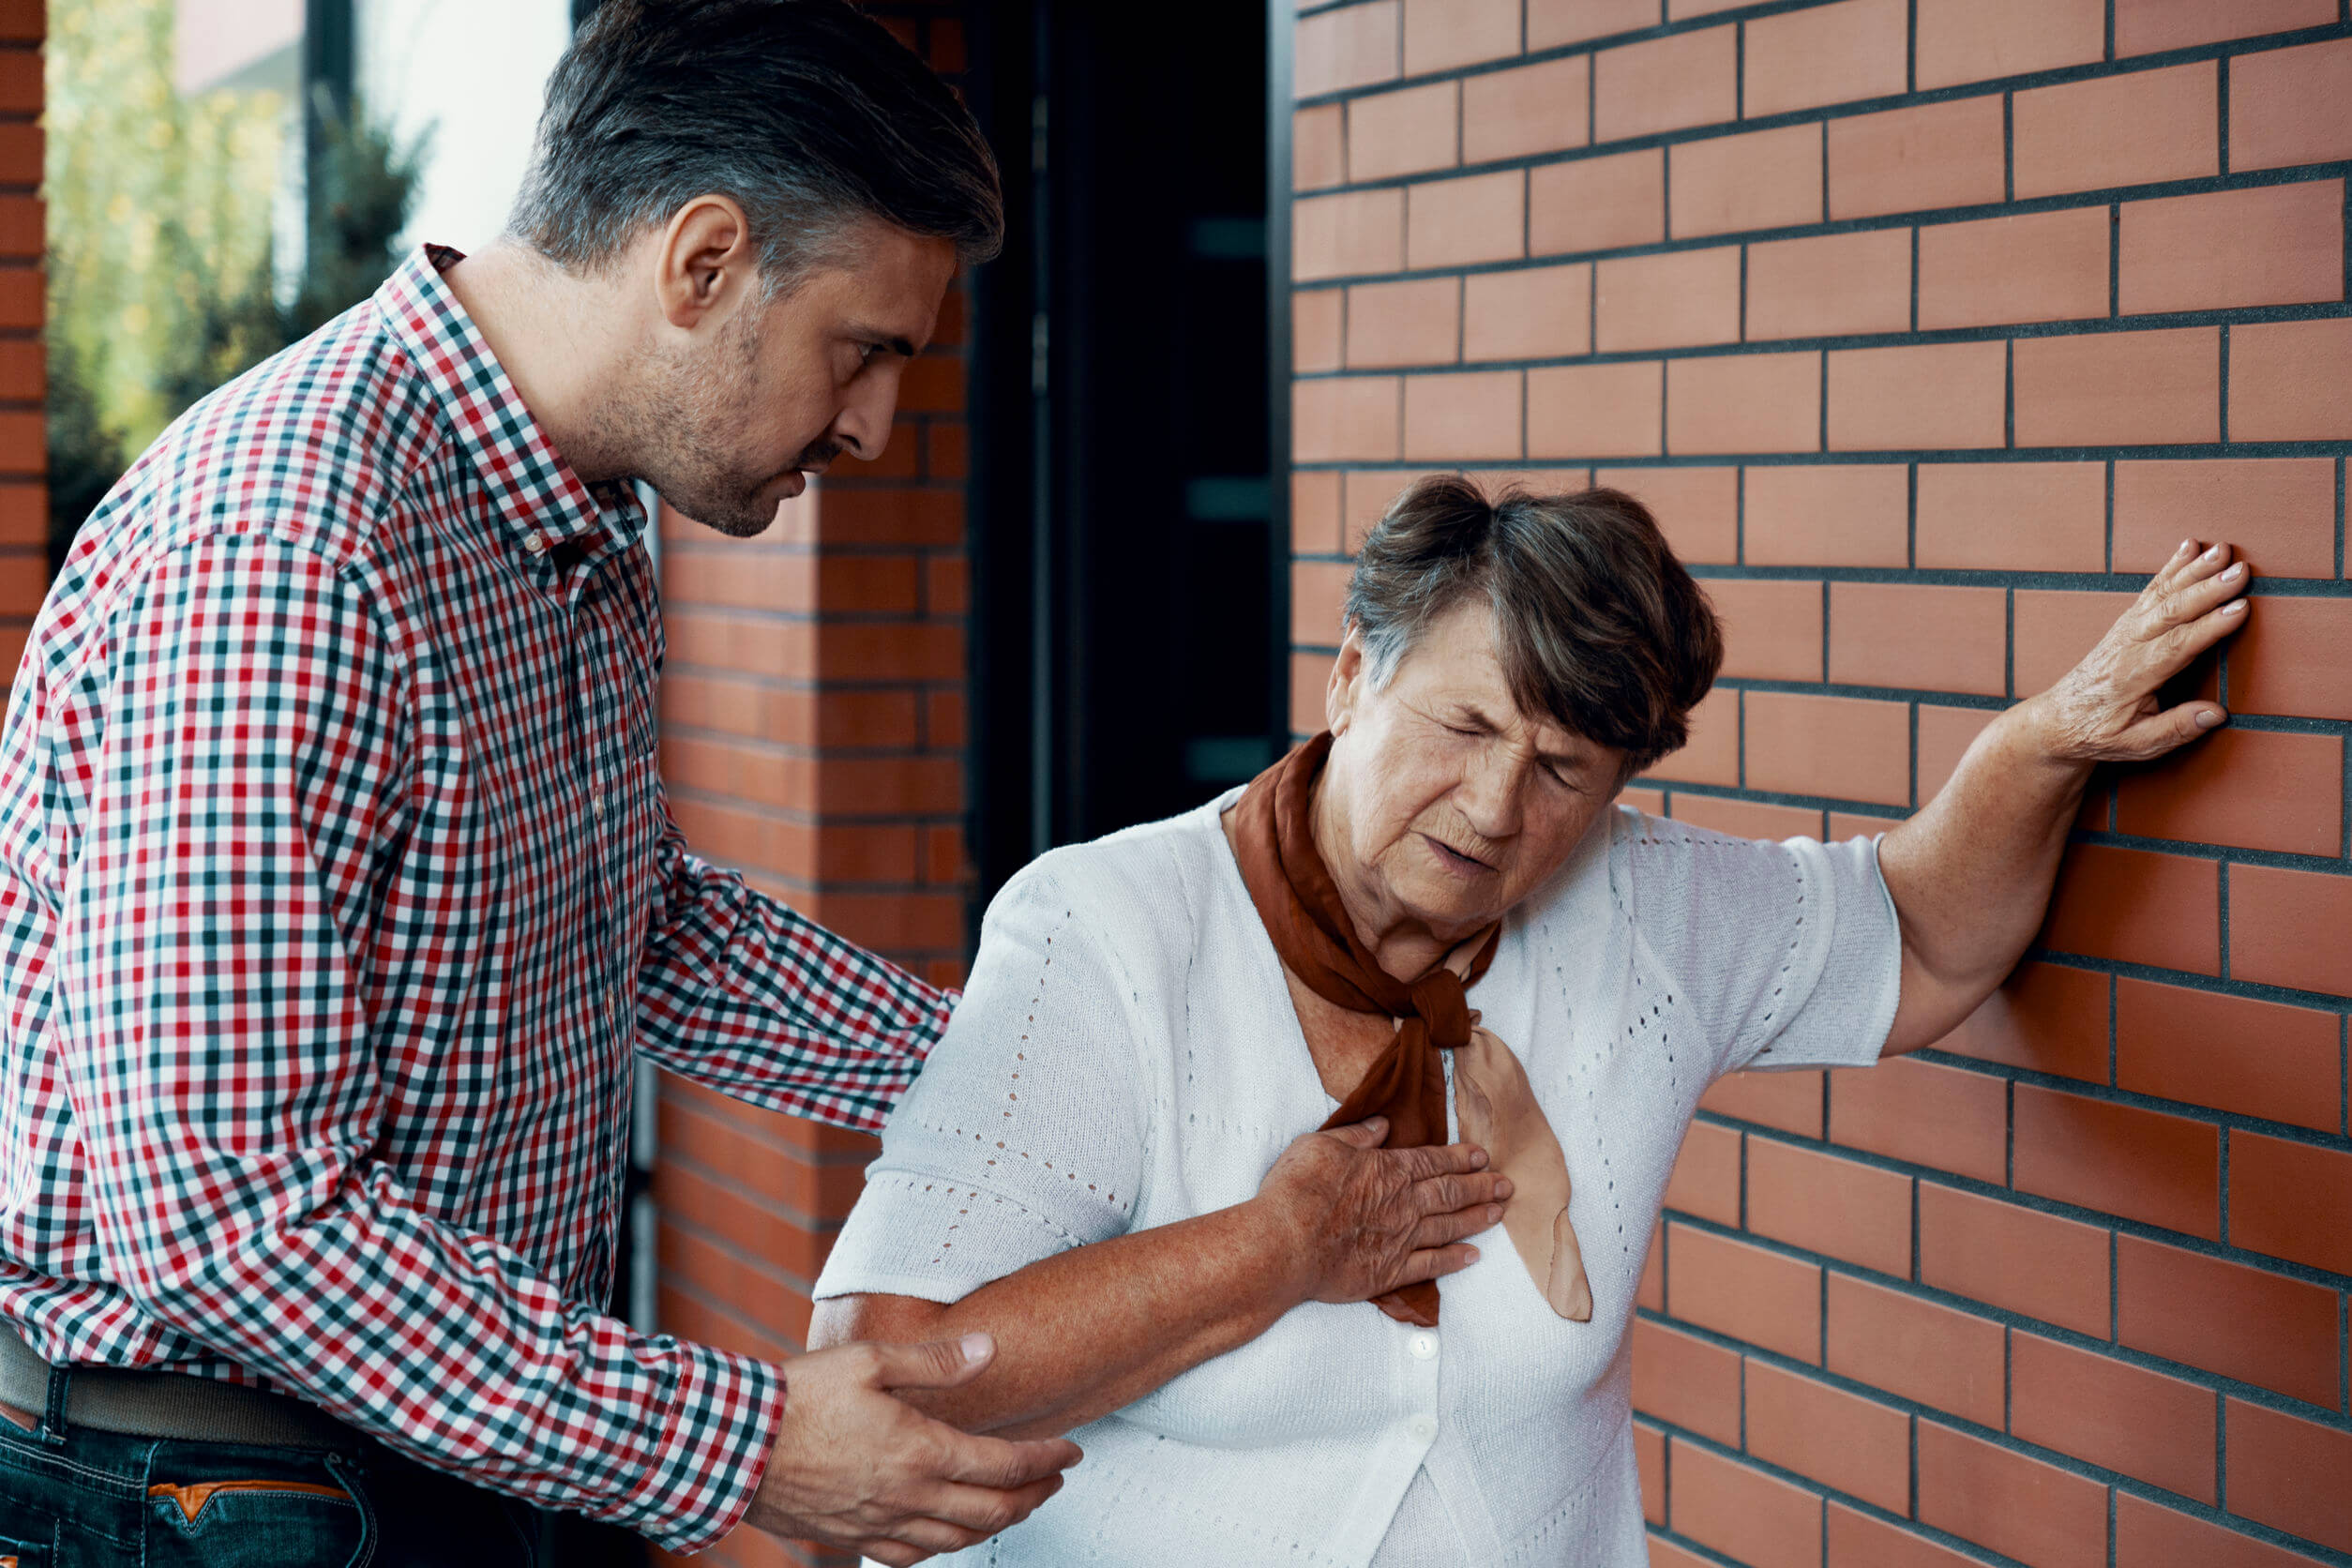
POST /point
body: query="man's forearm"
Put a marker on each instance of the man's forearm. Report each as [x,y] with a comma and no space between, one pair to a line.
[1088,1331]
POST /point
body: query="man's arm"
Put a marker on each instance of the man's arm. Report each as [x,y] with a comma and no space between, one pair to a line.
[1971,874]
[214,952]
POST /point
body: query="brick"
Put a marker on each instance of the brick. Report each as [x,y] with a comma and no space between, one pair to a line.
[1830,284]
[1528,110]
[2149,27]
[1650,1461]
[1670,84]
[1480,217]
[1357,418]
[2279,103]
[2149,1535]
[2122,1417]
[1411,131]
[2120,1159]
[2245,1323]
[1763,179]
[1760,1297]
[2123,387]
[1697,508]
[1597,411]
[1746,819]
[1353,47]
[1859,1541]
[1755,402]
[21,82]
[2013,1258]
[1706,1178]
[2015,1505]
[24,226]
[1790,1102]
[1597,204]
[1540,313]
[1318,318]
[2130,130]
[2293,1475]
[1826,1203]
[1356,230]
[2295,656]
[1833,514]
[1417,322]
[1721,1504]
[1931,155]
[2055,629]
[20,152]
[1916,1348]
[1368,496]
[2274,244]
[1446,35]
[1975,40]
[1858,1446]
[1711,755]
[1310,675]
[1772,628]
[1842,747]
[1683,1380]
[1460,418]
[1318,591]
[2148,909]
[2292,1201]
[1552,23]
[2278,512]
[2272,916]
[2287,381]
[2028,267]
[2046,516]
[1672,299]
[2254,789]
[1907,634]
[1918,394]
[1318,148]
[1925,1114]
[1836,53]
[1315,512]
[2046,1017]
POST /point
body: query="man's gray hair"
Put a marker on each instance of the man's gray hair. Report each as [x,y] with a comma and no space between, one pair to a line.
[806,112]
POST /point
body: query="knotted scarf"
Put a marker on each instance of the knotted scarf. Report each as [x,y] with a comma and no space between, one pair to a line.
[1298,900]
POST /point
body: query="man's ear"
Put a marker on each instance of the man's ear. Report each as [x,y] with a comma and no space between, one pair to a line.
[704,267]
[1345,686]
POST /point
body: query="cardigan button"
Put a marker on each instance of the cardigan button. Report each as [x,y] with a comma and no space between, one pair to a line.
[1424,1345]
[1422,1429]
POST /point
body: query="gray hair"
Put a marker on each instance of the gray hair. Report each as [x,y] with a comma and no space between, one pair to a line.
[806,112]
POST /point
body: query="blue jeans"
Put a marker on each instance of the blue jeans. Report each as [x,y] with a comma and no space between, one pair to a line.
[87,1498]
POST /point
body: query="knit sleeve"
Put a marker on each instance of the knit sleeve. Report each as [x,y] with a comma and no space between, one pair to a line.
[1790,952]
[1025,1134]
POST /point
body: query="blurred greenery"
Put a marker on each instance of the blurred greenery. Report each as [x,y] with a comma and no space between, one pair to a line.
[164,278]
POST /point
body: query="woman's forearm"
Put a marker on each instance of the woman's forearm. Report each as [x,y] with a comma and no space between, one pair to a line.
[1085,1331]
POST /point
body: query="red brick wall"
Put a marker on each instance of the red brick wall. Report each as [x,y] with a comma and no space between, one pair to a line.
[1929,328]
[813,736]
[23,500]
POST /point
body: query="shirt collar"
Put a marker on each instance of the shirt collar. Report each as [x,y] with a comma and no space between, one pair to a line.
[542,502]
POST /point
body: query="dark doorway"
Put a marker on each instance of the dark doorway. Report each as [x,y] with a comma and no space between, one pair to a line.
[1125,530]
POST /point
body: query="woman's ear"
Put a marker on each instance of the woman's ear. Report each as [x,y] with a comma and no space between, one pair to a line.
[1346,683]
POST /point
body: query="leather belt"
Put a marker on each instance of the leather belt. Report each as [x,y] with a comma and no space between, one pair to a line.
[173,1405]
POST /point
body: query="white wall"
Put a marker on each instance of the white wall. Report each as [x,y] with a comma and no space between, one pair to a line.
[475,69]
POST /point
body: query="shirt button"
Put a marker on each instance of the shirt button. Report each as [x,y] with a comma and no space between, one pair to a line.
[595,804]
[1425,1346]
[1422,1429]
[534,542]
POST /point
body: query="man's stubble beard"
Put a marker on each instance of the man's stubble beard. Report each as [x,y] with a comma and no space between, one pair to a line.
[680,424]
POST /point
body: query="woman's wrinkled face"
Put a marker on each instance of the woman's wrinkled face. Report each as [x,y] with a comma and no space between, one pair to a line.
[1453,805]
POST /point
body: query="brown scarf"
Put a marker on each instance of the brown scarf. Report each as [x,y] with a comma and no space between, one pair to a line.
[1299,902]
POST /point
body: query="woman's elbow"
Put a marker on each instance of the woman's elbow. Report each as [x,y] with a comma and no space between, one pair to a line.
[899,1319]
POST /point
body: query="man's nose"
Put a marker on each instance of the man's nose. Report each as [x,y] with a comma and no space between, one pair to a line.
[862,425]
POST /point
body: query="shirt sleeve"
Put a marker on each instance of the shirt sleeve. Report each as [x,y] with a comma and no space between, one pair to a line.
[1028,1133]
[1790,952]
[740,993]
[215,950]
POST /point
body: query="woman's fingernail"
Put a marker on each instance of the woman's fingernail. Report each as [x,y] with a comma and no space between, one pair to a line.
[2186,546]
[2208,719]
[2234,607]
[2213,552]
[2235,572]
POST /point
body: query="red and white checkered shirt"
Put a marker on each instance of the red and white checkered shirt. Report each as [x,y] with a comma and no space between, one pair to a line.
[338,893]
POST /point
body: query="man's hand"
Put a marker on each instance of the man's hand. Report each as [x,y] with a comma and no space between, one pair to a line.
[853,1467]
[1360,1220]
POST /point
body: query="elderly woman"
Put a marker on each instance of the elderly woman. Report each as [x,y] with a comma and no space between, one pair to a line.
[1099,1164]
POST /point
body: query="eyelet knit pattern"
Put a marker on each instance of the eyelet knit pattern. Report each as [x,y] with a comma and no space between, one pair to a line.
[1126,1056]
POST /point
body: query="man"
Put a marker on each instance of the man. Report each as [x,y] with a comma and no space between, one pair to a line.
[337,891]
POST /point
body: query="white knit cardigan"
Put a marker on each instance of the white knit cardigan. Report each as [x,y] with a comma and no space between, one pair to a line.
[1127,1055]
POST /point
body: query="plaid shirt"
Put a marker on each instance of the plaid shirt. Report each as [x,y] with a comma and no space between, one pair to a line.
[337,894]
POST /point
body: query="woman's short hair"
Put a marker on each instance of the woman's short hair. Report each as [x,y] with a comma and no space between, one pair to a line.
[807,113]
[1597,623]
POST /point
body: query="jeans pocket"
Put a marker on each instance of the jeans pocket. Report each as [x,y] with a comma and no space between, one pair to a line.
[260,1522]
[19,1553]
